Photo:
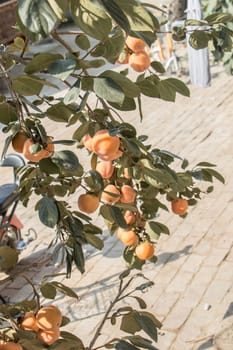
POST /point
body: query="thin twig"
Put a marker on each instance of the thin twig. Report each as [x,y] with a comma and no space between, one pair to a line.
[56,37]
[34,290]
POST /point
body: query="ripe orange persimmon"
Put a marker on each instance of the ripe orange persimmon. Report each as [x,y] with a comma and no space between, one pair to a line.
[48,337]
[128,194]
[145,250]
[130,217]
[126,173]
[29,323]
[179,206]
[135,44]
[45,152]
[108,197]
[105,168]
[11,346]
[49,318]
[139,61]
[128,237]
[87,141]
[103,144]
[19,140]
[113,156]
[88,203]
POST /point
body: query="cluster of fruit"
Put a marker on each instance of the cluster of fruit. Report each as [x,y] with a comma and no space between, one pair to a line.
[45,323]
[108,148]
[135,54]
[30,149]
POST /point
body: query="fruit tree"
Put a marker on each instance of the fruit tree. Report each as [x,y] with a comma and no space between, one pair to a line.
[124,179]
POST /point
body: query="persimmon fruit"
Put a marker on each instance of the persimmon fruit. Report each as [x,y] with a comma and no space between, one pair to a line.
[103,144]
[113,156]
[11,346]
[105,169]
[48,337]
[88,203]
[45,152]
[87,141]
[112,196]
[18,141]
[145,250]
[29,323]
[179,206]
[128,194]
[139,61]
[128,237]
[130,217]
[49,318]
[135,44]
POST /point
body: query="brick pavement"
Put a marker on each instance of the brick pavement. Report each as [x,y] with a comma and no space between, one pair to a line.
[193,279]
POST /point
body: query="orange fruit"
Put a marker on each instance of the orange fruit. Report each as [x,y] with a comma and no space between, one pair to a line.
[29,323]
[103,144]
[88,203]
[135,44]
[11,346]
[18,141]
[145,250]
[105,168]
[48,337]
[126,173]
[128,237]
[139,61]
[129,217]
[87,141]
[179,206]
[128,194]
[113,156]
[107,197]
[49,318]
[45,152]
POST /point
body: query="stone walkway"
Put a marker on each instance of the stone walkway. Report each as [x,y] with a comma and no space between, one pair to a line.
[193,279]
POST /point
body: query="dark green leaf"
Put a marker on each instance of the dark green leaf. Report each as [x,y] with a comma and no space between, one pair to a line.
[61,69]
[117,14]
[41,61]
[48,291]
[82,41]
[148,326]
[48,211]
[67,162]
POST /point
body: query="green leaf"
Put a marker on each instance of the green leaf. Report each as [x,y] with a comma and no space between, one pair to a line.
[127,105]
[113,46]
[72,95]
[154,229]
[178,86]
[124,345]
[59,112]
[107,89]
[8,113]
[147,325]
[37,16]
[148,88]
[216,18]
[184,164]
[82,41]
[94,180]
[141,302]
[40,62]
[129,88]
[27,85]
[158,66]
[61,69]
[48,291]
[199,39]
[94,240]
[141,342]
[8,257]
[48,211]
[205,164]
[64,289]
[215,174]
[129,323]
[78,257]
[90,18]
[117,14]
[68,163]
